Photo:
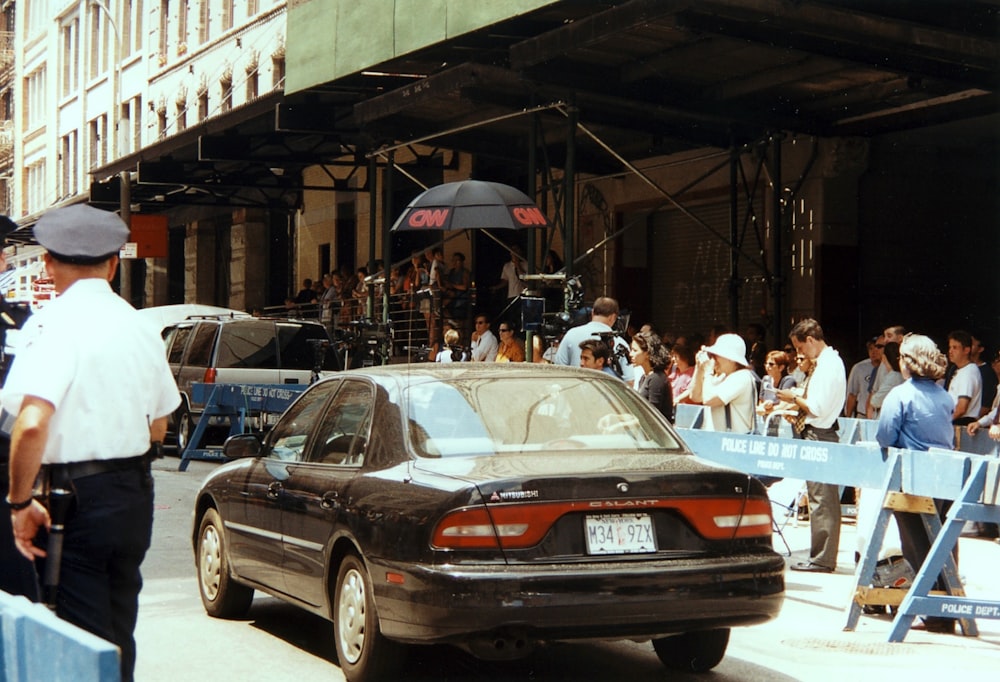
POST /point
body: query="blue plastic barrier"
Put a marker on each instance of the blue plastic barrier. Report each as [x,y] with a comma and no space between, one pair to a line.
[861,465]
[39,646]
[915,478]
[235,403]
[970,479]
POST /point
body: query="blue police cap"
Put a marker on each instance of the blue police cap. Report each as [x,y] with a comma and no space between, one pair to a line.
[81,234]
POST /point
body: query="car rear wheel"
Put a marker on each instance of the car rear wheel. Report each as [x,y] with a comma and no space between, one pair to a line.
[693,651]
[364,654]
[222,596]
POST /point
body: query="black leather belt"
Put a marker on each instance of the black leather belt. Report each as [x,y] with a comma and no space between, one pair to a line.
[75,470]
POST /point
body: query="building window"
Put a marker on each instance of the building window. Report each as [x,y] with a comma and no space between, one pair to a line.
[278,71]
[182,28]
[181,116]
[35,98]
[204,22]
[67,161]
[137,11]
[130,126]
[164,30]
[36,17]
[69,49]
[227,15]
[253,6]
[137,123]
[125,30]
[252,84]
[226,86]
[35,180]
[203,105]
[98,33]
[98,141]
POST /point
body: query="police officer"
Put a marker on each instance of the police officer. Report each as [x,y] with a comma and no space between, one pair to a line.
[91,389]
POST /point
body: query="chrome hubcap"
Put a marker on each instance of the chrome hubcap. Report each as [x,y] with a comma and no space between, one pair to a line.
[211,559]
[351,615]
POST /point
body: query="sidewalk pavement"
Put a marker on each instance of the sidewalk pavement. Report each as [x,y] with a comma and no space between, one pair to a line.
[808,642]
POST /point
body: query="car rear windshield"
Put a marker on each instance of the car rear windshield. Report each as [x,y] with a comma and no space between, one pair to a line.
[520,414]
[300,344]
[248,344]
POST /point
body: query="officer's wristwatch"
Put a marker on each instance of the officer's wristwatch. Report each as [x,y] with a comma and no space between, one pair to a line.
[18,506]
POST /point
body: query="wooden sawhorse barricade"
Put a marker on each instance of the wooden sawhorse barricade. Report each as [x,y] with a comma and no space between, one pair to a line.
[236,403]
[914,479]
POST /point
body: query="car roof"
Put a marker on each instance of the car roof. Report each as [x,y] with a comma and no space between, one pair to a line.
[398,376]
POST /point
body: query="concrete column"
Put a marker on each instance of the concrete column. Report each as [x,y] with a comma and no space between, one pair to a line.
[157,284]
[199,262]
[249,265]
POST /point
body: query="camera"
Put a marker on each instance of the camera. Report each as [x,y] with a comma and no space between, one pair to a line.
[618,353]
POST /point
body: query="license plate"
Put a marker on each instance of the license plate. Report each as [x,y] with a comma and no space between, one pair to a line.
[619,534]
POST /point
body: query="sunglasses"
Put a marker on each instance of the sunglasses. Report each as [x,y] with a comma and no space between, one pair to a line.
[504,330]
[480,321]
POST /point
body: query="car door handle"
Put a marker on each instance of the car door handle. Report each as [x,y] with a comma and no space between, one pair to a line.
[330,500]
[274,489]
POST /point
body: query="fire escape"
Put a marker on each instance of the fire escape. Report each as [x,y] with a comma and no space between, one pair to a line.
[6,106]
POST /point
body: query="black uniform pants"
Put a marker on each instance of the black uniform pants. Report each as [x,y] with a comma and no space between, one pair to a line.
[17,576]
[107,534]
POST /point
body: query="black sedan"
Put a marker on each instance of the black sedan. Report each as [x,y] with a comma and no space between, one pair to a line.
[490,506]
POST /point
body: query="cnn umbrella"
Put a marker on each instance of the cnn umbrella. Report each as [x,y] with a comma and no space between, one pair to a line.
[471,204]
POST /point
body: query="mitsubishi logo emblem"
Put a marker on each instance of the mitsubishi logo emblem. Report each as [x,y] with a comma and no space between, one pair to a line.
[623,487]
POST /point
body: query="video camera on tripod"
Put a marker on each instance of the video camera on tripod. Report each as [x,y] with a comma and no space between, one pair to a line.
[618,353]
[553,324]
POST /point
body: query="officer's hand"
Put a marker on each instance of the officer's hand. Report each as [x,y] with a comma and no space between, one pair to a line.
[25,524]
[995,432]
[971,428]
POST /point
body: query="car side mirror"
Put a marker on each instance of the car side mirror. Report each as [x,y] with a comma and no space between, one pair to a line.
[242,446]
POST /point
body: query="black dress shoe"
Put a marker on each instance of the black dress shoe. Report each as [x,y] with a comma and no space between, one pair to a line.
[810,567]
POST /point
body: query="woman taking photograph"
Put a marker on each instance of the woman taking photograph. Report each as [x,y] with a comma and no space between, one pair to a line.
[723,383]
[651,356]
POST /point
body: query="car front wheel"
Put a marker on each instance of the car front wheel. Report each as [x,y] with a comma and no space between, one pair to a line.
[183,427]
[364,654]
[693,651]
[222,596]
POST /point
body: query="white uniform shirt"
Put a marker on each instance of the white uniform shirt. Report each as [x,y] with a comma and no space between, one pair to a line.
[103,367]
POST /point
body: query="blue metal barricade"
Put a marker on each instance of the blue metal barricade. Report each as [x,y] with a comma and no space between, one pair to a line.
[235,403]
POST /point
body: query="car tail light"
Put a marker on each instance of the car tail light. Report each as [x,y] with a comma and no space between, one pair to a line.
[509,527]
[516,526]
[209,377]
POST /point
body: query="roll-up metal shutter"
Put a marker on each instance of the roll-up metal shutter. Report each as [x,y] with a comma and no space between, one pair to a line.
[690,270]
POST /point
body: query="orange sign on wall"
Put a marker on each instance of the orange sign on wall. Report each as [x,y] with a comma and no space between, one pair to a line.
[149,233]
